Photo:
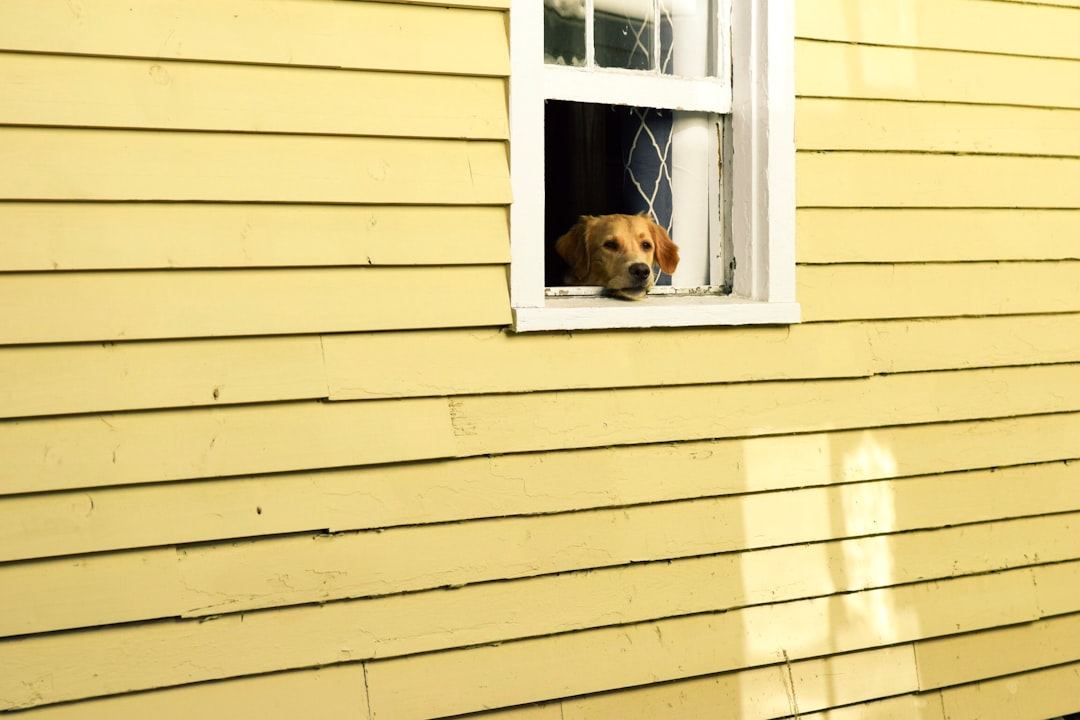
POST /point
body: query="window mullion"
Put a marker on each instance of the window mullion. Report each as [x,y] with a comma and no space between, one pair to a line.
[658,52]
[590,34]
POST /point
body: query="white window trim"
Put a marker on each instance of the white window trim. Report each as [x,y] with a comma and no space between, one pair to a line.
[762,182]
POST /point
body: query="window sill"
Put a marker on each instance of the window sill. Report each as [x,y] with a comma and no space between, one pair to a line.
[592,313]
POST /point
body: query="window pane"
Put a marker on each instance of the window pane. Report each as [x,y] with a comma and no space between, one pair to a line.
[624,34]
[688,37]
[564,32]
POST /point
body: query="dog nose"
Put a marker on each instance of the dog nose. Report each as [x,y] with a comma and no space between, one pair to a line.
[640,271]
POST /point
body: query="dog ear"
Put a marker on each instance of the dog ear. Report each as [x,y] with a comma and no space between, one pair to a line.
[573,247]
[667,252]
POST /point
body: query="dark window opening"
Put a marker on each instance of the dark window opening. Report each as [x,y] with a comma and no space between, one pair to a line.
[602,159]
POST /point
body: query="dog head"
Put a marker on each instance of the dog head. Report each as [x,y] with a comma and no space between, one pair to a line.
[617,252]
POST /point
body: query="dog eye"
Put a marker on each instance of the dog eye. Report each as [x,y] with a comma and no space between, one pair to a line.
[611,245]
[646,246]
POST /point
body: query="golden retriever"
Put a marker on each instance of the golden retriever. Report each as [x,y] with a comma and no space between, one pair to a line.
[617,252]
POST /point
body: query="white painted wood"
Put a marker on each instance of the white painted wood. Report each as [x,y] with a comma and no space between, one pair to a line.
[761,103]
[527,155]
[613,86]
[763,122]
[577,313]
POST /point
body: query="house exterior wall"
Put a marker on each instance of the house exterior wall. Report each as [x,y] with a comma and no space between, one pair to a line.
[268,449]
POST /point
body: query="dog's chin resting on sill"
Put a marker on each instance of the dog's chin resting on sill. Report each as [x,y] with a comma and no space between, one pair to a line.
[617,252]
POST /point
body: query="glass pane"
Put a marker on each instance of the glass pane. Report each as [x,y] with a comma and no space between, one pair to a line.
[688,37]
[624,34]
[564,32]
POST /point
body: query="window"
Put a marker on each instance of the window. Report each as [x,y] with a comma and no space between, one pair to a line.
[682,109]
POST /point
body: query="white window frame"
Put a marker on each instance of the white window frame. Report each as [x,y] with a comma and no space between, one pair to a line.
[760,174]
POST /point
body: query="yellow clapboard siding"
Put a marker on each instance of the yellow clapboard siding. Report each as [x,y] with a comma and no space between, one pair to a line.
[1031,696]
[335,692]
[829,69]
[207,584]
[77,164]
[289,571]
[99,306]
[999,651]
[114,236]
[552,711]
[948,24]
[280,32]
[579,663]
[915,345]
[833,124]
[1057,588]
[896,180]
[98,590]
[1063,3]
[936,290]
[61,379]
[500,4]
[547,421]
[90,451]
[408,494]
[904,707]
[764,692]
[74,665]
[829,235]
[482,361]
[95,92]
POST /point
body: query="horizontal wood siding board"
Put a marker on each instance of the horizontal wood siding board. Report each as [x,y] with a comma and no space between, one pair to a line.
[924,706]
[79,164]
[1036,695]
[258,574]
[764,692]
[118,236]
[48,90]
[37,596]
[103,519]
[489,361]
[840,70]
[126,448]
[71,379]
[323,34]
[949,661]
[268,573]
[936,290]
[83,664]
[493,4]
[109,306]
[548,421]
[882,235]
[333,692]
[918,180]
[1062,3]
[107,377]
[919,345]
[545,711]
[944,24]
[564,665]
[484,361]
[883,125]
[97,450]
[1056,588]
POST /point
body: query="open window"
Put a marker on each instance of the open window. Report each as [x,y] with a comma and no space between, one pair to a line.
[678,109]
